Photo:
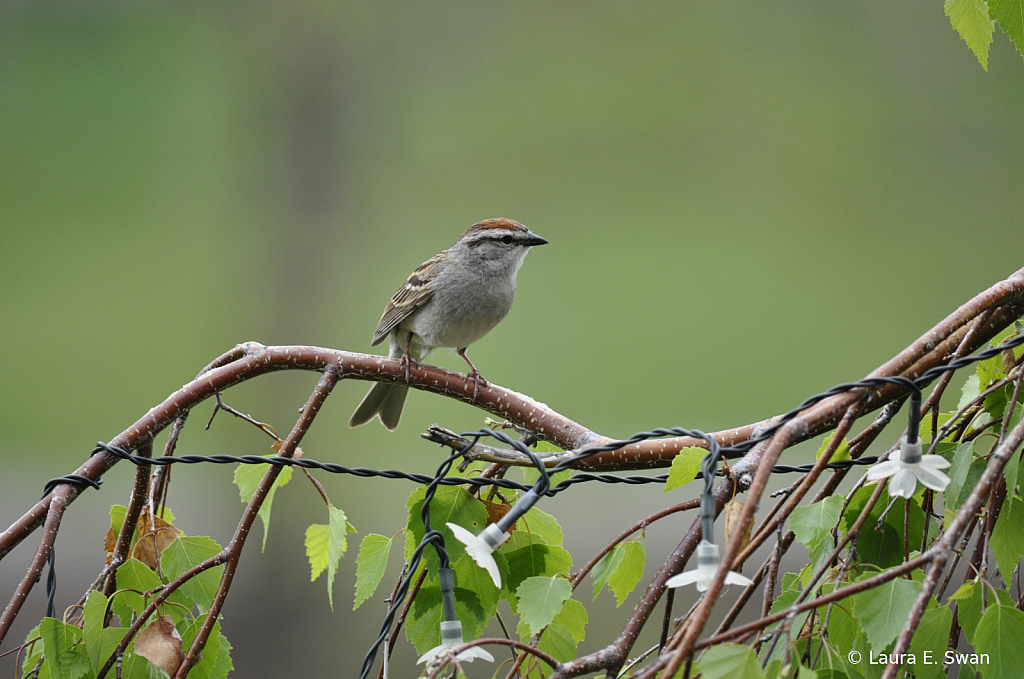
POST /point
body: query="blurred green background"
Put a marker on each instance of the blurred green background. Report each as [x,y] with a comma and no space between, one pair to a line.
[746,204]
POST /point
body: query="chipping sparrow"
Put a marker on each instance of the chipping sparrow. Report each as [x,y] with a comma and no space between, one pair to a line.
[452,300]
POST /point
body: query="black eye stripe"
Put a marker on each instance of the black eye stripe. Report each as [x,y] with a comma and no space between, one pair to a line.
[506,240]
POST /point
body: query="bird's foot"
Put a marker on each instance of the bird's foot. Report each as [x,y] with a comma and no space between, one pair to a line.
[478,381]
[408,363]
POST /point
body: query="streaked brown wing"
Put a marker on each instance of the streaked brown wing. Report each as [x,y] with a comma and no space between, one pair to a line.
[409,297]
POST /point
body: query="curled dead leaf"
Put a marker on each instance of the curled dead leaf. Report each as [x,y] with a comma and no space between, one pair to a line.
[732,519]
[155,535]
[496,510]
[1009,360]
[159,643]
[109,542]
[276,445]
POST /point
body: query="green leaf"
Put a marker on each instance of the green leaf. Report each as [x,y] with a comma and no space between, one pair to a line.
[629,571]
[730,661]
[135,575]
[604,568]
[100,641]
[211,664]
[531,561]
[556,642]
[65,656]
[223,665]
[370,566]
[884,549]
[424,620]
[1007,540]
[842,452]
[326,544]
[959,462]
[92,625]
[970,391]
[535,527]
[813,523]
[845,635]
[540,600]
[188,552]
[1010,472]
[991,369]
[560,638]
[685,466]
[547,447]
[33,651]
[337,546]
[1000,634]
[451,504]
[471,577]
[968,602]
[805,672]
[318,549]
[970,19]
[931,638]
[248,477]
[137,667]
[109,641]
[117,514]
[573,617]
[883,610]
[422,625]
[782,603]
[819,555]
[964,471]
[540,527]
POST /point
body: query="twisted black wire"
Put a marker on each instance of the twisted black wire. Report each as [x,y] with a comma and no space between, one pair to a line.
[78,481]
[474,481]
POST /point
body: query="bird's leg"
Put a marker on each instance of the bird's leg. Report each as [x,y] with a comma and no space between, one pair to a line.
[407,359]
[474,374]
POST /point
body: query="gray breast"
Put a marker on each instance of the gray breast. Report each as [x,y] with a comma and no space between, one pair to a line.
[463,309]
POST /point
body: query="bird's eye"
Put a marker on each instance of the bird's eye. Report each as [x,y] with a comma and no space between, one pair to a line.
[507,240]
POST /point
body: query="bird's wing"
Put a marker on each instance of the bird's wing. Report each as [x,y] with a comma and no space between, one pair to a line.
[411,296]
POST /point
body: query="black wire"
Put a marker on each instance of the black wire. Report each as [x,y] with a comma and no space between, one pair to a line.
[81,482]
[474,481]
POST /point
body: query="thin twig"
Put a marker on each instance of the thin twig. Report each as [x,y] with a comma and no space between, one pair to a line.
[234,548]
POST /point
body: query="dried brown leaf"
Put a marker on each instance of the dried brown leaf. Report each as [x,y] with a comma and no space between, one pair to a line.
[109,542]
[276,445]
[159,643]
[732,520]
[155,535]
[495,511]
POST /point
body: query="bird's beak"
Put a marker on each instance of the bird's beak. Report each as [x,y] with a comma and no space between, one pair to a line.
[534,239]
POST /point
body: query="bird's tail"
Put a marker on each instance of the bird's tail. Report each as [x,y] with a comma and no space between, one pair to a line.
[385,400]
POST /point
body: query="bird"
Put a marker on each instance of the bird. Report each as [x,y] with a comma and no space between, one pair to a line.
[451,300]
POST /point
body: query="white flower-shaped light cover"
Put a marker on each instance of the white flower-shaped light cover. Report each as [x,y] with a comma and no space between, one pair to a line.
[451,637]
[480,547]
[907,466]
[708,561]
